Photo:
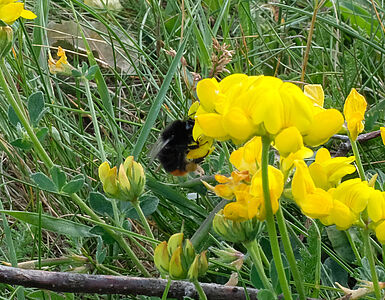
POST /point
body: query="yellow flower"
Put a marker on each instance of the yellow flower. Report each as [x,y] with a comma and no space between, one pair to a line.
[320,131]
[229,185]
[354,111]
[244,208]
[382,130]
[11,10]
[340,206]
[376,212]
[108,177]
[61,66]
[289,144]
[127,184]
[248,157]
[241,106]
[275,188]
[327,172]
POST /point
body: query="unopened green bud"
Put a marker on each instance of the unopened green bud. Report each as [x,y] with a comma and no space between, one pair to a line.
[161,258]
[230,256]
[203,263]
[131,179]
[6,39]
[193,271]
[174,242]
[189,252]
[235,231]
[176,269]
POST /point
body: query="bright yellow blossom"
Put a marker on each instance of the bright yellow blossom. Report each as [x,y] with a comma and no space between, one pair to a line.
[320,131]
[354,111]
[11,10]
[376,212]
[382,131]
[289,144]
[248,157]
[242,106]
[340,206]
[108,177]
[327,172]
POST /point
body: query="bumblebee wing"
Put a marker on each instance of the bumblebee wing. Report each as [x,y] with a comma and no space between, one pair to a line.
[156,148]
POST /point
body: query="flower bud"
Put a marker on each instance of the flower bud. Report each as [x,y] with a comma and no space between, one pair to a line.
[161,257]
[203,263]
[108,177]
[131,179]
[176,270]
[6,39]
[229,256]
[174,242]
[235,231]
[188,252]
[193,271]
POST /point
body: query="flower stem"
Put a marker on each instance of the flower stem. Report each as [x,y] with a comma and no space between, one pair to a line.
[167,288]
[142,217]
[369,256]
[360,168]
[298,280]
[270,222]
[252,249]
[94,120]
[43,155]
[23,119]
[201,293]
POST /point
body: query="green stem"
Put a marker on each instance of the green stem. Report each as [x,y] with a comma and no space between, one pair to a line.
[115,211]
[298,280]
[369,256]
[94,120]
[142,217]
[354,248]
[23,119]
[49,164]
[252,249]
[360,168]
[201,293]
[317,272]
[167,288]
[12,85]
[270,222]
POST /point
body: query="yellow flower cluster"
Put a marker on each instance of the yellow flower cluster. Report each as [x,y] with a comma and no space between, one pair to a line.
[242,106]
[11,10]
[245,185]
[318,192]
[127,184]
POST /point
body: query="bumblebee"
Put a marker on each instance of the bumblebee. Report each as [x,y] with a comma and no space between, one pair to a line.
[177,150]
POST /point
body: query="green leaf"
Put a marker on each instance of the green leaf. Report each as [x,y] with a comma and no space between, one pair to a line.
[58,177]
[148,204]
[340,243]
[107,238]
[91,72]
[22,144]
[100,204]
[36,107]
[49,223]
[265,295]
[43,182]
[187,206]
[13,118]
[74,185]
[255,279]
[337,273]
[42,133]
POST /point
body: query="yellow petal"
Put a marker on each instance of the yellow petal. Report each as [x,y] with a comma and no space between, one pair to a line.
[26,14]
[237,124]
[248,157]
[302,183]
[382,130]
[376,206]
[9,13]
[320,131]
[288,141]
[317,204]
[211,125]
[103,170]
[316,93]
[342,216]
[319,175]
[380,232]
[207,91]
[354,193]
[354,111]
